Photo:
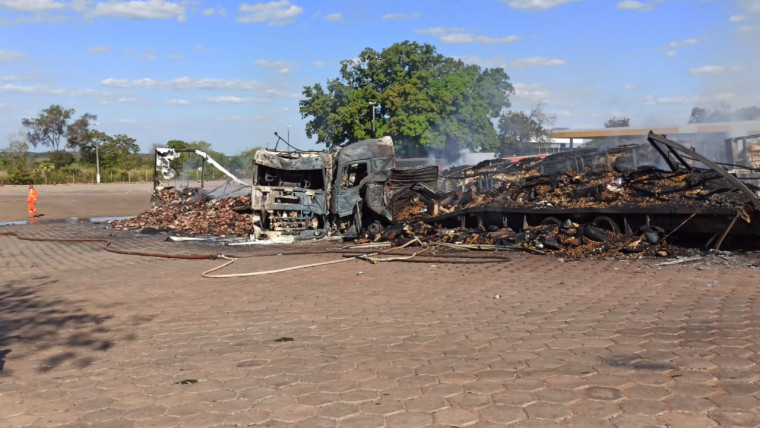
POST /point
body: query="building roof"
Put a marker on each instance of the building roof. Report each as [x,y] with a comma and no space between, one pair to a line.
[729,128]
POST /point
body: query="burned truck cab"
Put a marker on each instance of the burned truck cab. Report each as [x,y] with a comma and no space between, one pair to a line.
[362,169]
[291,193]
[314,194]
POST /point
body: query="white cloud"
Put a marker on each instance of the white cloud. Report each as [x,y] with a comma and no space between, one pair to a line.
[31,5]
[186,83]
[746,29]
[414,15]
[672,46]
[458,36]
[753,6]
[495,61]
[334,17]
[319,63]
[283,71]
[176,57]
[630,87]
[534,5]
[635,5]
[439,31]
[31,90]
[98,49]
[275,13]
[490,40]
[737,18]
[208,12]
[262,63]
[715,69]
[537,62]
[651,101]
[148,57]
[11,56]
[148,9]
[177,102]
[227,100]
[708,69]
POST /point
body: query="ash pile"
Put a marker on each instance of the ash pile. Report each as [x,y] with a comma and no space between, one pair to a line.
[192,212]
[661,199]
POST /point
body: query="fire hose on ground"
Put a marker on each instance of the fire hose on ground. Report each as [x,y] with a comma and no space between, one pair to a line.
[108,248]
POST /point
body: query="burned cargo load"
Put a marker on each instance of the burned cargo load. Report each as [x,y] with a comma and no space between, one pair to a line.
[657,193]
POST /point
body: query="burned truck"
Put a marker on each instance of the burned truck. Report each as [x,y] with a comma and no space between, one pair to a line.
[310,194]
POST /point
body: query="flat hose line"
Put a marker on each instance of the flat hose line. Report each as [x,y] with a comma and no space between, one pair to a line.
[108,248]
[368,257]
[207,274]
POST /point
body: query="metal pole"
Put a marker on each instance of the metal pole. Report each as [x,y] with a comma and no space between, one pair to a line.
[97,155]
[97,163]
[372,105]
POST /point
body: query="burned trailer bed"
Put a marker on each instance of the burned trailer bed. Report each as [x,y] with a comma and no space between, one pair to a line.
[700,227]
[625,190]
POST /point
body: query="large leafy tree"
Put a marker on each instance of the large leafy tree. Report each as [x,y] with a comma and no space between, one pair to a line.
[421,98]
[519,132]
[51,128]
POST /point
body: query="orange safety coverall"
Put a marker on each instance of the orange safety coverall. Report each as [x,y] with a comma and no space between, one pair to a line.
[31,200]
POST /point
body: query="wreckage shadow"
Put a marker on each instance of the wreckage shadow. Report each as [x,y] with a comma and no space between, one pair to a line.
[28,317]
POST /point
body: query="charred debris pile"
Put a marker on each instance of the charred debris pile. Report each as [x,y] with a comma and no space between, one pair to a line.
[192,212]
[615,203]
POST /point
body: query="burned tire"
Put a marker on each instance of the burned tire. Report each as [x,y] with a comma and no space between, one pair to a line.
[604,222]
[550,220]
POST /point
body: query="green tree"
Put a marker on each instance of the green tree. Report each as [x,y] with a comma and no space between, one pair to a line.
[617,122]
[118,151]
[15,159]
[519,132]
[79,133]
[419,97]
[51,128]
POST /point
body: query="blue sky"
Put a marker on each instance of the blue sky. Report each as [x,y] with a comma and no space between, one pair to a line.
[231,73]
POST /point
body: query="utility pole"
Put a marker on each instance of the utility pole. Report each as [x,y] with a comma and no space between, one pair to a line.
[97,155]
[372,105]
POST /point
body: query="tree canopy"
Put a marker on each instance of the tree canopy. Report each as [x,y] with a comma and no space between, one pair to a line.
[724,113]
[421,98]
[51,128]
[519,131]
[618,122]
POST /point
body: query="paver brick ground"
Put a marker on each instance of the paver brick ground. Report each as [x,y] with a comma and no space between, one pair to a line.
[93,338]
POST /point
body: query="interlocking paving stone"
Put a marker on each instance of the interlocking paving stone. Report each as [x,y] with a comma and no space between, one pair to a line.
[93,338]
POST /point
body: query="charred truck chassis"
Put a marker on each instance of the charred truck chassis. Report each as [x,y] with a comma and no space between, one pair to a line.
[315,194]
[707,226]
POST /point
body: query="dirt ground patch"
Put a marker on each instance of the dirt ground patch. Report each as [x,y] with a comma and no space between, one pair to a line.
[63,201]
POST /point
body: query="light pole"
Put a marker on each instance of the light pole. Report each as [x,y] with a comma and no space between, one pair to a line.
[372,104]
[288,135]
[97,155]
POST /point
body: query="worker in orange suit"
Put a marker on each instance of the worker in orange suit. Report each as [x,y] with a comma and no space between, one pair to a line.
[31,200]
